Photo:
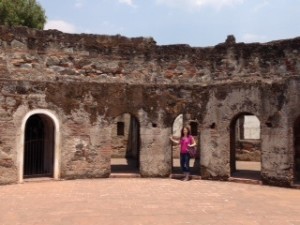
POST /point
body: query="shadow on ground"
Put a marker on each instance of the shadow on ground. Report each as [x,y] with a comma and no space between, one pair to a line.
[247,174]
[124,165]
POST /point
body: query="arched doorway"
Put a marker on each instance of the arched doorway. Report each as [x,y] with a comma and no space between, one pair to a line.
[245,147]
[176,133]
[38,147]
[297,151]
[125,157]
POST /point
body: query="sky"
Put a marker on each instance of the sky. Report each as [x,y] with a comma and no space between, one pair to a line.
[198,23]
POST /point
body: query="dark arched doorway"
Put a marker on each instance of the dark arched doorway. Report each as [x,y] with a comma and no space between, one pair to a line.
[39,147]
[125,157]
[245,147]
[297,151]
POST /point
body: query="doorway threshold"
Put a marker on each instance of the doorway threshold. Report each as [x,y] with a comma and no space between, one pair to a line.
[296,185]
[181,176]
[38,179]
[125,175]
[244,180]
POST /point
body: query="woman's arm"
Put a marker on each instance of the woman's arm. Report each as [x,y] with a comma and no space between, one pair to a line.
[174,141]
[193,144]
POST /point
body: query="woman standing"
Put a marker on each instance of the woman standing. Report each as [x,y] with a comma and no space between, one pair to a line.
[186,141]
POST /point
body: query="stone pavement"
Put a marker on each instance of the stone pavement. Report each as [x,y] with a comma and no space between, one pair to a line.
[147,201]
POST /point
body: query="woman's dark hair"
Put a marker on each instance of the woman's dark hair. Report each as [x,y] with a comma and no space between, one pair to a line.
[188,129]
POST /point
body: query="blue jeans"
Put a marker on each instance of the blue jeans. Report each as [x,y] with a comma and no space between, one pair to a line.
[185,162]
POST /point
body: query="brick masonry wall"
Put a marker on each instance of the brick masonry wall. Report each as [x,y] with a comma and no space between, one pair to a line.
[52,55]
[88,80]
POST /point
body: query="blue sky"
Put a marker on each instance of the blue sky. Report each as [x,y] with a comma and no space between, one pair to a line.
[194,22]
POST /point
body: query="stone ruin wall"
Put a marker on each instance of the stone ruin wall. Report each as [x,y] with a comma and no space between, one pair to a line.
[86,81]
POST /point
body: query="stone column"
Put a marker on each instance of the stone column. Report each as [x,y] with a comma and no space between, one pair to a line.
[155,153]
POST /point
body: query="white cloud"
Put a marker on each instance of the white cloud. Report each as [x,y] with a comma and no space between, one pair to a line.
[218,4]
[61,26]
[127,2]
[248,38]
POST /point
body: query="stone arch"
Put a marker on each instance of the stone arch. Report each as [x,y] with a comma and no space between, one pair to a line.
[296,143]
[52,122]
[176,132]
[126,143]
[239,140]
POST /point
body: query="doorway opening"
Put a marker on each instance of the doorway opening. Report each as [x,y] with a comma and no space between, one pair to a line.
[245,147]
[125,157]
[39,147]
[297,151]
[176,133]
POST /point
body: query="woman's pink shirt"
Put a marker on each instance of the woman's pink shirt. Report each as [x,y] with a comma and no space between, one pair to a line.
[184,144]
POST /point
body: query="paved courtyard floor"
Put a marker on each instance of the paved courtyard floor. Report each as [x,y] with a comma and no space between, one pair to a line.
[146,201]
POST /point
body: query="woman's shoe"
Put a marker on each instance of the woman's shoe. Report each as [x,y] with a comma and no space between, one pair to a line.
[186,177]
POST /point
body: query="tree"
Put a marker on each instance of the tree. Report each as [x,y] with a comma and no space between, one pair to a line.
[22,13]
